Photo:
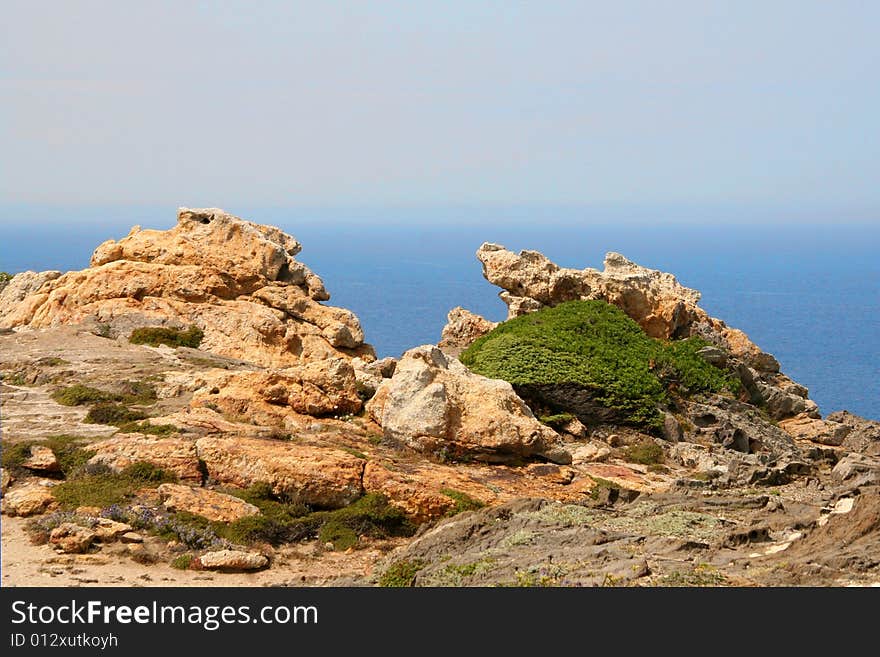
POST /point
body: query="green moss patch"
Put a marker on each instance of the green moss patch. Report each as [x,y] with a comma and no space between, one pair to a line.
[646,452]
[158,335]
[80,395]
[149,429]
[596,346]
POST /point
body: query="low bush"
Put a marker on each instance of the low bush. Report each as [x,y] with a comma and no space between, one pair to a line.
[115,414]
[159,335]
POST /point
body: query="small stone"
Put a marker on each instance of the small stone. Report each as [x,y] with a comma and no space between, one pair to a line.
[71,538]
[233,560]
[107,530]
[89,511]
[42,459]
[131,537]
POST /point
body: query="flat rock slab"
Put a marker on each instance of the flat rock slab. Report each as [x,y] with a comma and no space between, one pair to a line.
[206,503]
[233,560]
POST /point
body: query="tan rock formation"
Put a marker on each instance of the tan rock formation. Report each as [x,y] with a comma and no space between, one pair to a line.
[236,280]
[804,427]
[435,405]
[29,500]
[462,328]
[206,503]
[41,459]
[71,538]
[176,454]
[324,477]
[320,388]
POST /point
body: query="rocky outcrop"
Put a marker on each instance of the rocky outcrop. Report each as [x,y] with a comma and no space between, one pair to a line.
[662,306]
[435,405]
[804,427]
[237,281]
[206,503]
[24,285]
[863,435]
[462,328]
[324,477]
[175,454]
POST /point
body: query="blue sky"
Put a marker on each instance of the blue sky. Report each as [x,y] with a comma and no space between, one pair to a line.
[390,104]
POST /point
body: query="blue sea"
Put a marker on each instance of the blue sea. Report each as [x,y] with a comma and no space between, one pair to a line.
[806,291]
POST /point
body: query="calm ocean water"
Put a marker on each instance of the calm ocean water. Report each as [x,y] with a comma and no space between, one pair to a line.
[809,294]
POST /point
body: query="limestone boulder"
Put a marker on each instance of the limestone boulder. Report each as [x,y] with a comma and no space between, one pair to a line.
[233,560]
[41,459]
[435,405]
[321,388]
[205,502]
[29,500]
[323,477]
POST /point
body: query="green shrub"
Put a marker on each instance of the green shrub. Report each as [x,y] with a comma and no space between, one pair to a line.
[157,335]
[115,414]
[401,573]
[646,452]
[595,345]
[341,536]
[80,395]
[557,419]
[149,429]
[284,521]
[463,502]
[5,277]
[183,561]
[147,472]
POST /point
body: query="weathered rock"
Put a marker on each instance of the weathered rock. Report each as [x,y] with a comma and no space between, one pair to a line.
[24,285]
[672,430]
[737,426]
[206,503]
[131,538]
[176,454]
[236,280]
[803,427]
[29,500]
[233,560]
[107,530]
[5,481]
[320,388]
[323,477]
[866,469]
[71,538]
[41,459]
[369,375]
[437,406]
[462,328]
[864,435]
